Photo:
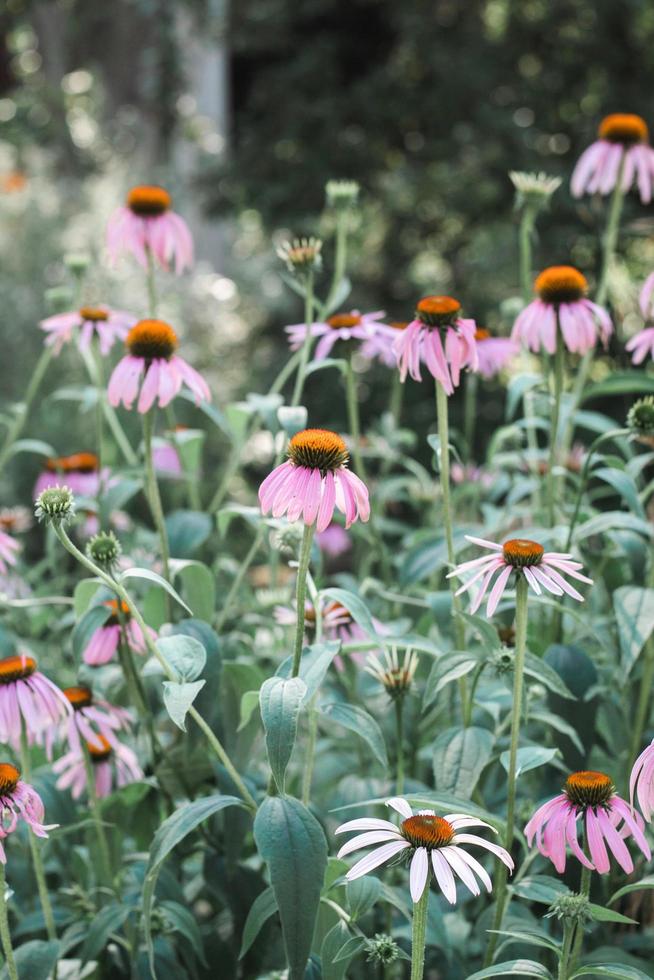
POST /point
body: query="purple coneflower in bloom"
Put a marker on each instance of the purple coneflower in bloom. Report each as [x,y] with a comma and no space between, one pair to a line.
[28,698]
[113,766]
[542,570]
[641,782]
[334,541]
[107,325]
[89,715]
[562,302]
[166,459]
[19,801]
[151,346]
[341,326]
[9,549]
[379,347]
[493,353]
[641,345]
[145,224]
[622,136]
[314,481]
[439,337]
[645,298]
[337,622]
[607,818]
[81,472]
[104,641]
[420,837]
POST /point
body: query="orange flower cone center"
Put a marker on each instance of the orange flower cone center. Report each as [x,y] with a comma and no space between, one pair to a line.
[79,697]
[341,321]
[521,552]
[589,788]
[152,340]
[427,830]
[115,606]
[399,324]
[560,284]
[99,754]
[77,463]
[623,127]
[16,668]
[9,776]
[437,311]
[148,201]
[318,449]
[482,334]
[93,313]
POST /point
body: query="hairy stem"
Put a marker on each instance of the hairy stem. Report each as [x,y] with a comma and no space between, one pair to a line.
[419,935]
[37,859]
[306,346]
[301,594]
[5,935]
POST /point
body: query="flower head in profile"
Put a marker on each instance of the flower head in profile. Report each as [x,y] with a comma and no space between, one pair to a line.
[379,347]
[640,420]
[519,556]
[9,549]
[85,324]
[423,837]
[588,798]
[341,326]
[534,190]
[301,256]
[55,505]
[19,801]
[152,370]
[81,472]
[641,345]
[494,353]
[334,541]
[104,641]
[113,766]
[92,721]
[15,520]
[147,224]
[342,194]
[623,141]
[641,782]
[440,337]
[394,674]
[314,481]
[562,303]
[29,699]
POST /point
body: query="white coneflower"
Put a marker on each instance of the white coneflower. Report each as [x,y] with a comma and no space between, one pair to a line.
[301,255]
[396,677]
[534,189]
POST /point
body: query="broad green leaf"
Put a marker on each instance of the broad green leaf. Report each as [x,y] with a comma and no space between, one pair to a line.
[600,914]
[623,485]
[226,515]
[620,383]
[92,620]
[182,920]
[634,616]
[357,720]
[292,418]
[105,922]
[539,888]
[517,388]
[489,636]
[35,960]
[531,937]
[355,606]
[184,654]
[618,970]
[145,573]
[33,446]
[529,757]
[187,531]
[335,940]
[292,843]
[513,968]
[178,698]
[446,670]
[549,719]
[173,830]
[634,886]
[85,593]
[459,756]
[362,894]
[263,907]
[610,522]
[349,949]
[540,670]
[280,702]
[249,702]
[198,585]
[316,661]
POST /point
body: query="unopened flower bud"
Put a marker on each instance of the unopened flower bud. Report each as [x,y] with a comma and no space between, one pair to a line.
[572,907]
[77,262]
[104,549]
[56,505]
[301,255]
[641,420]
[342,194]
[381,949]
[533,190]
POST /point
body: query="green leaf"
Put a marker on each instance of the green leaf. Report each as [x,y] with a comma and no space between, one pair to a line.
[280,701]
[624,485]
[32,446]
[173,830]
[513,968]
[529,757]
[263,907]
[178,698]
[517,388]
[634,886]
[600,914]
[459,756]
[292,843]
[182,920]
[355,606]
[187,531]
[540,670]
[610,522]
[335,940]
[198,586]
[620,383]
[249,701]
[362,894]
[539,888]
[225,516]
[316,661]
[618,970]
[292,418]
[105,922]
[532,938]
[350,948]
[85,593]
[446,670]
[185,654]
[634,616]
[359,721]
[340,294]
[145,573]
[35,960]
[85,627]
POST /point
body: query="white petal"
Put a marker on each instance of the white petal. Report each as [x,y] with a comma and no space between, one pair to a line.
[400,804]
[444,876]
[365,840]
[483,543]
[419,873]
[495,849]
[377,857]
[454,859]
[365,823]
[473,863]
[460,820]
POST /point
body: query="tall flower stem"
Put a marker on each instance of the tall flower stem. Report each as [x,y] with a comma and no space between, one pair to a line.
[238,578]
[340,258]
[645,689]
[527,225]
[105,872]
[5,935]
[95,376]
[155,652]
[354,423]
[37,859]
[470,410]
[557,390]
[521,596]
[444,475]
[16,427]
[564,960]
[154,498]
[419,935]
[153,304]
[584,889]
[583,477]
[301,594]
[306,346]
[399,744]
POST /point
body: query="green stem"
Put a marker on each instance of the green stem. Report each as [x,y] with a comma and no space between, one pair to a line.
[396,399]
[399,740]
[238,578]
[154,498]
[16,427]
[527,225]
[470,410]
[559,364]
[521,597]
[105,873]
[354,423]
[151,284]
[154,651]
[584,889]
[301,594]
[306,346]
[645,689]
[340,257]
[309,758]
[111,418]
[419,935]
[5,935]
[568,935]
[583,478]
[37,859]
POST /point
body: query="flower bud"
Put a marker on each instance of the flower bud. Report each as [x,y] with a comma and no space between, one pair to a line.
[55,505]
[381,949]
[301,256]
[104,549]
[571,907]
[342,194]
[533,190]
[640,420]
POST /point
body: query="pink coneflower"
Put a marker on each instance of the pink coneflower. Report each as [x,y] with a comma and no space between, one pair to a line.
[642,345]
[81,472]
[621,135]
[166,459]
[470,473]
[9,549]
[591,796]
[93,720]
[379,347]
[118,520]
[147,224]
[641,782]
[493,353]
[645,298]
[561,291]
[104,642]
[419,837]
[341,326]
[436,321]
[19,801]
[99,321]
[15,520]
[523,557]
[334,541]
[151,346]
[337,623]
[28,698]
[113,767]
[314,481]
